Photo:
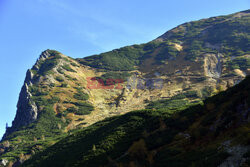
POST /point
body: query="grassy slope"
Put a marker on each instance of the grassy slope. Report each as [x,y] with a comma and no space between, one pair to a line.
[230,33]
[157,138]
[57,103]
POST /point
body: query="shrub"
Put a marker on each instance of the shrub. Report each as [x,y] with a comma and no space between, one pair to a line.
[64,85]
[59,79]
[123,59]
[68,68]
[81,95]
[60,70]
[83,108]
[114,75]
[74,64]
[47,65]
[71,109]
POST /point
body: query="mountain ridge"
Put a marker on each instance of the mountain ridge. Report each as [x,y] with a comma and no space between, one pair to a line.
[56,97]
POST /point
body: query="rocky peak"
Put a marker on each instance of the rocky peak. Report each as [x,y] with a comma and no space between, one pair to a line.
[44,55]
[27,110]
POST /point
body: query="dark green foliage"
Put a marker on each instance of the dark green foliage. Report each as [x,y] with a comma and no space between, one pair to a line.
[121,59]
[72,109]
[68,68]
[59,79]
[207,92]
[106,136]
[191,94]
[113,137]
[64,85]
[81,95]
[204,158]
[54,53]
[174,103]
[229,36]
[239,63]
[122,76]
[194,50]
[52,85]
[167,51]
[74,64]
[60,70]
[82,108]
[48,122]
[47,125]
[46,66]
[36,91]
[168,104]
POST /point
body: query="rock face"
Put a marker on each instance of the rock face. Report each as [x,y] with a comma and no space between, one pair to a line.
[44,55]
[4,162]
[236,152]
[212,65]
[27,110]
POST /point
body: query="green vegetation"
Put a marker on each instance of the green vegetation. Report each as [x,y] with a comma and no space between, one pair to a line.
[68,68]
[83,108]
[207,92]
[167,52]
[46,126]
[170,136]
[37,91]
[123,76]
[171,104]
[59,79]
[54,53]
[180,131]
[60,70]
[45,67]
[230,35]
[239,63]
[81,95]
[74,64]
[124,59]
[177,102]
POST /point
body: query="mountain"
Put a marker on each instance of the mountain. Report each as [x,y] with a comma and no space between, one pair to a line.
[213,133]
[182,67]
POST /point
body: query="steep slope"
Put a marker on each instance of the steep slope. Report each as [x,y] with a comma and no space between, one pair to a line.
[216,133]
[225,38]
[51,103]
[185,65]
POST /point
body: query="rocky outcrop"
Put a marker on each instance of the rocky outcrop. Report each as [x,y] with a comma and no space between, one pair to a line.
[3,162]
[236,159]
[213,65]
[42,57]
[27,110]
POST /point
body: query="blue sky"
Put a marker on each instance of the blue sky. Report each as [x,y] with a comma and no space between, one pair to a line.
[81,28]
